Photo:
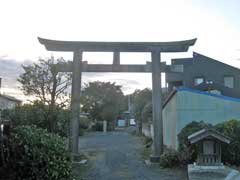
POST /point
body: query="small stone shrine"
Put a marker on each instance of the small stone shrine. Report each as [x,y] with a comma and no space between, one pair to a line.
[208,165]
[208,143]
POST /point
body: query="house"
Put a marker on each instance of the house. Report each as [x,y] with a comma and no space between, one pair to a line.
[201,69]
[185,105]
[207,90]
[8,102]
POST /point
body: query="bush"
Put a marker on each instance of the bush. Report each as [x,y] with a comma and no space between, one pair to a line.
[98,126]
[169,159]
[188,151]
[81,132]
[188,130]
[37,154]
[37,114]
[84,122]
[231,152]
[148,141]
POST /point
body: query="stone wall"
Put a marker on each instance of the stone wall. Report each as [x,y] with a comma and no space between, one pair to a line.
[147,129]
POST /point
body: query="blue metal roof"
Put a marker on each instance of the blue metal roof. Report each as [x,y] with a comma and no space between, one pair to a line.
[207,93]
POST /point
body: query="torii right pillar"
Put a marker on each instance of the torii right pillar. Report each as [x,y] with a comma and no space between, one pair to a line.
[156,107]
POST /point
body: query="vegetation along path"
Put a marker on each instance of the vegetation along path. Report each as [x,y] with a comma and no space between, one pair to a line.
[118,155]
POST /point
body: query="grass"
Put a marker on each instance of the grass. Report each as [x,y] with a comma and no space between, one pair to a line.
[146,153]
[80,170]
[146,141]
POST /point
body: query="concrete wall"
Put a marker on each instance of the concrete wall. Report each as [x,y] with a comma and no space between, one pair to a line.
[6,104]
[169,123]
[186,107]
[147,130]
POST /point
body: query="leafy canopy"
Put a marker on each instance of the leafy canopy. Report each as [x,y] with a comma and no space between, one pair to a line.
[142,101]
[42,81]
[102,100]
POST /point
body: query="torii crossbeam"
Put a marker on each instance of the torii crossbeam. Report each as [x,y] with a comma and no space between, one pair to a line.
[155,67]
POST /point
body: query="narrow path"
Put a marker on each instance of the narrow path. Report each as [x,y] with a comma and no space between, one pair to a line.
[118,156]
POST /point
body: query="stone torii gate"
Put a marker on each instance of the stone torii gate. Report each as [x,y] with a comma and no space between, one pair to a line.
[155,67]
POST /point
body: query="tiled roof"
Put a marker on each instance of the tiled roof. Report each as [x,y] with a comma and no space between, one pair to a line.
[205,133]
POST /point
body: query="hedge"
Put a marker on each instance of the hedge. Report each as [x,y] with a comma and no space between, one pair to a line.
[37,154]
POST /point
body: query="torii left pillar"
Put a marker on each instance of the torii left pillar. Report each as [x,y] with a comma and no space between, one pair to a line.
[75,101]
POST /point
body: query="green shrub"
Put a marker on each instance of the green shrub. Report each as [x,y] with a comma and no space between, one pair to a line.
[84,122]
[37,154]
[81,132]
[231,152]
[98,126]
[185,147]
[169,159]
[148,141]
[188,130]
[38,114]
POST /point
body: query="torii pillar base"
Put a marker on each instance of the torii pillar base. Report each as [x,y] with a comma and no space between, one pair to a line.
[154,159]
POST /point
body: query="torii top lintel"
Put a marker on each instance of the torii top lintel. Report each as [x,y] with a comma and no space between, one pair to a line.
[91,46]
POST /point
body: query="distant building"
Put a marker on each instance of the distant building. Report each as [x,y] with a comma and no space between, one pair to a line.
[8,102]
[185,105]
[204,90]
[200,70]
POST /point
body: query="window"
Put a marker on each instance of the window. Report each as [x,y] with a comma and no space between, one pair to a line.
[198,80]
[176,68]
[229,81]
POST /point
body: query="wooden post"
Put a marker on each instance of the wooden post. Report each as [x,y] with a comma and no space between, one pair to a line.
[157,107]
[75,102]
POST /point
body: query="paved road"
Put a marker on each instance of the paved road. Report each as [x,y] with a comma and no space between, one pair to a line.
[118,156]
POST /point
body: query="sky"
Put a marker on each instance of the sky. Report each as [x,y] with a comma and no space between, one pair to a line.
[215,24]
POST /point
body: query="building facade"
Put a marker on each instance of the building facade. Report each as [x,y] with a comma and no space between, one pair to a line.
[200,70]
[8,102]
[185,105]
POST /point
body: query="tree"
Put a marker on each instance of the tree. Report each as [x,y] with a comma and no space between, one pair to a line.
[102,100]
[142,100]
[142,105]
[231,152]
[49,87]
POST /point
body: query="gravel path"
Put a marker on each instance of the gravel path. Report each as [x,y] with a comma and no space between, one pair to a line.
[117,156]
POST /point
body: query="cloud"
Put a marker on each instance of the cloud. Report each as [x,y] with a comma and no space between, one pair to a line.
[128,81]
[3,56]
[10,70]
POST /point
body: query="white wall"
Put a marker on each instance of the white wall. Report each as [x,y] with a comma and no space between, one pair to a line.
[169,123]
